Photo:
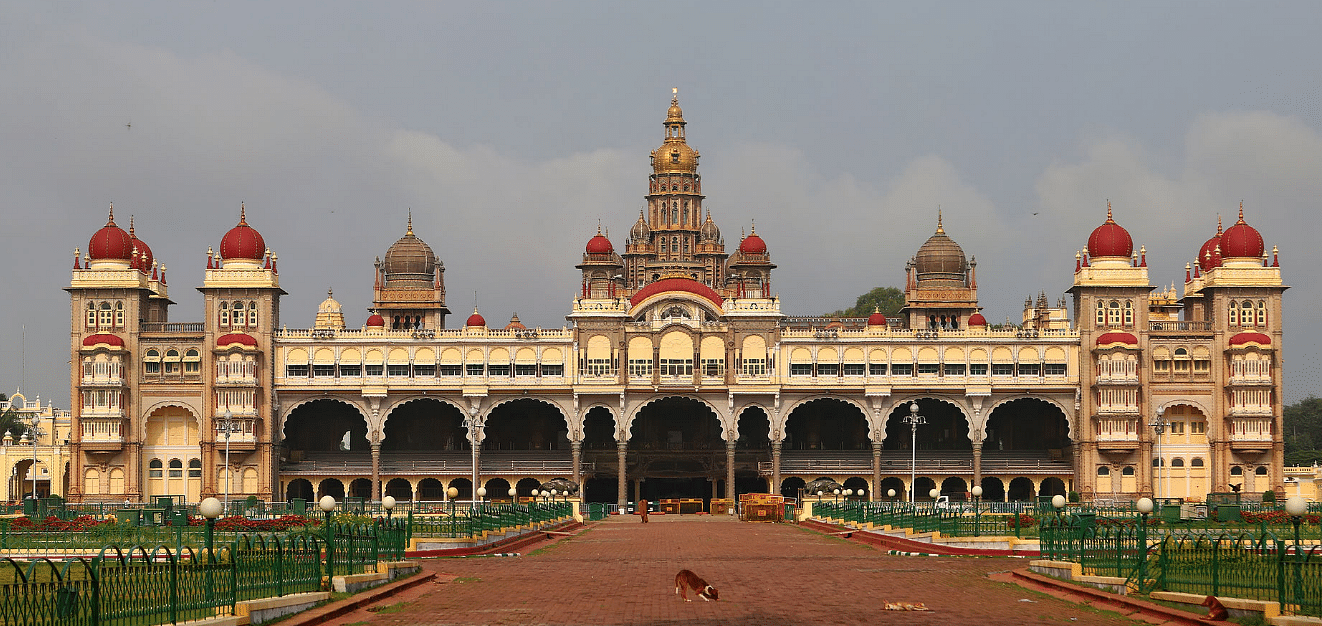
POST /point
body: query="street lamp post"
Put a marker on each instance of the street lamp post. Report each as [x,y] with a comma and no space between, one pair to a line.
[210,509]
[514,493]
[1144,507]
[388,503]
[327,504]
[1159,427]
[1297,507]
[36,432]
[977,510]
[913,419]
[226,425]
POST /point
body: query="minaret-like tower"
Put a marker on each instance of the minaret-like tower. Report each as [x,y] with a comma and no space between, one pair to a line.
[669,238]
[410,285]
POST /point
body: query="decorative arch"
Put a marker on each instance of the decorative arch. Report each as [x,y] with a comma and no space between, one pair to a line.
[1068,412]
[627,427]
[571,421]
[905,401]
[1187,402]
[286,411]
[773,433]
[142,425]
[783,418]
[385,414]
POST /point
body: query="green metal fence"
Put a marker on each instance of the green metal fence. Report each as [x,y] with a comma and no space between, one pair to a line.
[472,521]
[921,517]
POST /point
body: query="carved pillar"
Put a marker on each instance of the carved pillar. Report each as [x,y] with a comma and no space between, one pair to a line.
[876,470]
[577,448]
[378,490]
[729,472]
[775,466]
[977,464]
[622,487]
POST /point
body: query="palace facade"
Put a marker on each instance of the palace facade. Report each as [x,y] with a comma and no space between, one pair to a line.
[677,375]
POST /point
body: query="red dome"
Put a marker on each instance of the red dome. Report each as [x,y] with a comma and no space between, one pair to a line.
[476,319]
[1243,338]
[977,320]
[142,247]
[752,244]
[676,284]
[233,338]
[877,319]
[242,241]
[1209,256]
[111,242]
[1110,239]
[375,319]
[1110,338]
[599,244]
[1241,241]
[105,338]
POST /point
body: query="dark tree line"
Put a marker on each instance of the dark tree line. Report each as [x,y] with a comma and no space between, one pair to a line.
[1303,432]
[889,300]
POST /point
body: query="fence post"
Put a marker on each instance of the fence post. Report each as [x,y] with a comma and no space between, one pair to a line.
[1216,567]
[174,586]
[234,573]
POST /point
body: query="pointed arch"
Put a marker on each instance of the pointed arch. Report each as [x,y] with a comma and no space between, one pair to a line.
[1067,411]
[631,420]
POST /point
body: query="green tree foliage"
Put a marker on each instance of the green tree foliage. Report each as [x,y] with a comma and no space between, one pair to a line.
[10,421]
[889,299]
[1303,432]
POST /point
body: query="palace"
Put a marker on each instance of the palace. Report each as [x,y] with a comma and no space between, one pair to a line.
[678,375]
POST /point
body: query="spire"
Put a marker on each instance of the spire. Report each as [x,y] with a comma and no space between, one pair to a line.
[940,230]
[330,293]
[111,221]
[243,215]
[1108,212]
[674,98]
[409,231]
[131,235]
[1241,212]
[1218,224]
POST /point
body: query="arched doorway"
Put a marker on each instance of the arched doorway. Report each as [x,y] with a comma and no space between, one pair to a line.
[424,424]
[498,489]
[923,487]
[299,488]
[891,484]
[331,487]
[1052,486]
[325,426]
[1027,424]
[954,487]
[790,487]
[993,489]
[465,488]
[1021,490]
[945,429]
[172,442]
[431,490]
[859,487]
[526,424]
[754,430]
[826,424]
[676,447]
[400,489]
[362,488]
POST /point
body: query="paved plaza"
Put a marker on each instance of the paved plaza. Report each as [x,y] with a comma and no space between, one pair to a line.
[621,572]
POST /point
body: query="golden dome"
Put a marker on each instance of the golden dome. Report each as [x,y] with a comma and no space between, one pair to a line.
[940,258]
[674,156]
[329,315]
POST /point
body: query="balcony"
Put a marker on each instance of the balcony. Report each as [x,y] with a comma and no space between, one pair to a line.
[1180,327]
[174,328]
[101,435]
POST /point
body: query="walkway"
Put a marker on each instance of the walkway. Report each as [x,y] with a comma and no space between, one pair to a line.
[621,572]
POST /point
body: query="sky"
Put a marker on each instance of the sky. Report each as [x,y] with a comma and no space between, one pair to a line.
[512,129]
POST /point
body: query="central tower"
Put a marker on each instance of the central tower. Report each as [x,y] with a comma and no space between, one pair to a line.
[671,237]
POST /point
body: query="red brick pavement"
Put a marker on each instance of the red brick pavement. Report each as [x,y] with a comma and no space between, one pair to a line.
[621,572]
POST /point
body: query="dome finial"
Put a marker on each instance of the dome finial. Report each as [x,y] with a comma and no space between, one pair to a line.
[939,228]
[330,292]
[1218,223]
[599,226]
[131,225]
[1108,211]
[674,98]
[243,214]
[1241,212]
[409,229]
[111,221]
[753,228]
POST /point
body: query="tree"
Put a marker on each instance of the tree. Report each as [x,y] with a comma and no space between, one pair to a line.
[10,421]
[1303,432]
[888,299]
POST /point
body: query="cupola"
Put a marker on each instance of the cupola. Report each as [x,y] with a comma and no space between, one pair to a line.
[1241,241]
[110,243]
[1110,239]
[476,320]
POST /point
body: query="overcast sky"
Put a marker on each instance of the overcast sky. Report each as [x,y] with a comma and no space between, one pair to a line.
[511,129]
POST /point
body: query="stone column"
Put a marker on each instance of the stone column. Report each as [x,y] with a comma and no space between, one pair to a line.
[577,448]
[876,470]
[729,473]
[775,466]
[977,464]
[623,487]
[378,489]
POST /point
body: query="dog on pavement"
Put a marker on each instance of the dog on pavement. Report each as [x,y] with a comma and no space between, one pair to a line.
[686,580]
[1215,610]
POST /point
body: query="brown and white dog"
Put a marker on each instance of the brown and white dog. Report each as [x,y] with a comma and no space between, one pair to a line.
[1215,610]
[686,580]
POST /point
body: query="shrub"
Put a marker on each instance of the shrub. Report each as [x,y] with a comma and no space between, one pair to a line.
[1269,496]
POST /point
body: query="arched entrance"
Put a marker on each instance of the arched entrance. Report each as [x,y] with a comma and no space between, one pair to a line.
[891,484]
[331,487]
[299,488]
[955,487]
[826,424]
[424,424]
[526,424]
[400,489]
[431,490]
[1021,490]
[498,489]
[362,488]
[465,488]
[858,486]
[993,489]
[676,450]
[790,487]
[1052,486]
[171,443]
[325,426]
[945,428]
[1027,424]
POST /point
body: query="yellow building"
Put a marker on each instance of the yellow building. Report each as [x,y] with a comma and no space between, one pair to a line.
[678,375]
[41,461]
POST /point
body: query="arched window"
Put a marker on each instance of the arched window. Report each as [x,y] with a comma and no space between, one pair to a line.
[171,361]
[194,468]
[155,469]
[238,314]
[151,362]
[176,468]
[224,314]
[1262,313]
[1128,471]
[192,361]
[1261,471]
[1101,313]
[252,315]
[1103,470]
[1196,462]
[674,244]
[119,315]
[105,318]
[91,315]
[1129,312]
[1113,313]
[1177,462]
[1156,461]
[1236,471]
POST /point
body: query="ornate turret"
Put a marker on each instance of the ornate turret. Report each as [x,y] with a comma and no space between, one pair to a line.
[941,290]
[410,284]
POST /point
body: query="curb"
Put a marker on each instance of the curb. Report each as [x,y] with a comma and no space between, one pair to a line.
[335,609]
[906,547]
[1106,600]
[506,545]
